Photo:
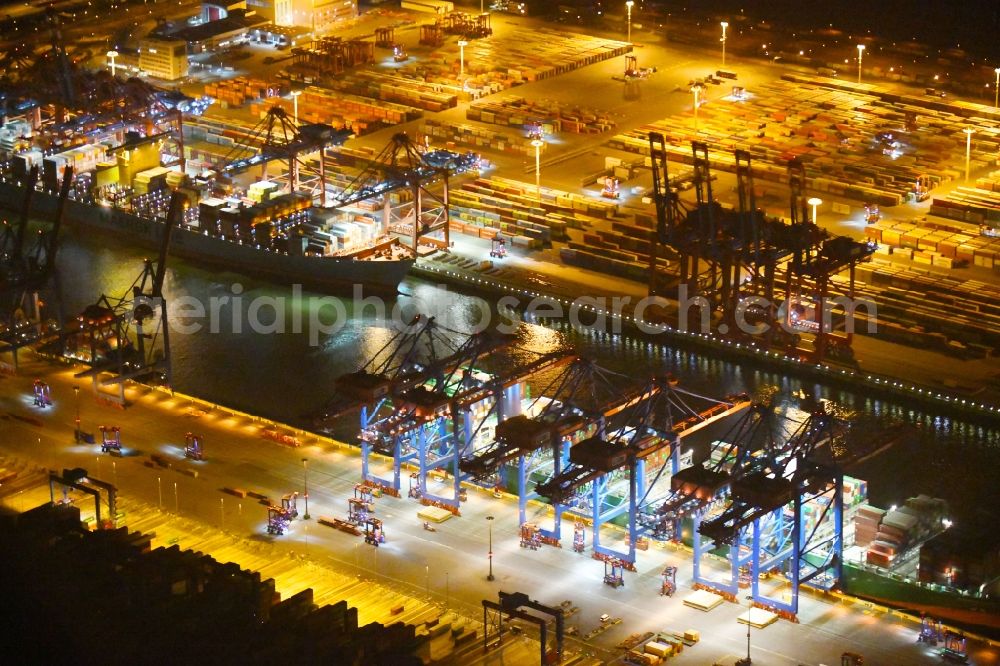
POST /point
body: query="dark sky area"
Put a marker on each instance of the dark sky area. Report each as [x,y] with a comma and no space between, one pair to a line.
[971,23]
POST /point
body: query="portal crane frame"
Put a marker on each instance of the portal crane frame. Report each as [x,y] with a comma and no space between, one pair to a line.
[136,323]
[24,274]
[402,165]
[761,515]
[652,422]
[278,138]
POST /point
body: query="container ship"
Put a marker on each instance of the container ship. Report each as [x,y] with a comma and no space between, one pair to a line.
[259,230]
[379,265]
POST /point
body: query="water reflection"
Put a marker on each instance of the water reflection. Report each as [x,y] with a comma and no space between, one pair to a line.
[286,377]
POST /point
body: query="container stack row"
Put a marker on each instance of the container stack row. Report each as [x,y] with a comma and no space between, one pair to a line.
[462,134]
[237,91]
[619,246]
[358,114]
[396,87]
[979,205]
[552,116]
[855,491]
[351,232]
[899,529]
[866,524]
[204,155]
[225,133]
[930,309]
[513,208]
[930,513]
[937,242]
[14,136]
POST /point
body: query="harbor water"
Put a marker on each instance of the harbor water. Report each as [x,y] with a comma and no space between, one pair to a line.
[289,375]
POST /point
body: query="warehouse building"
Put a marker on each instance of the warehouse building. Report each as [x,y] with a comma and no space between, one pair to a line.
[218,34]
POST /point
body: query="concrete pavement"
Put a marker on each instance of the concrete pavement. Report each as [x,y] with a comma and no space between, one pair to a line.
[450,563]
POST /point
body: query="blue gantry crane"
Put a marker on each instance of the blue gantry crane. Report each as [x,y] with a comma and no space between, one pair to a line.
[773,495]
[428,424]
[427,399]
[786,508]
[695,490]
[439,422]
[570,408]
[620,466]
[412,355]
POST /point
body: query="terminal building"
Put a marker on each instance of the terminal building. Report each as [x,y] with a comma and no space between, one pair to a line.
[322,15]
[280,22]
[163,58]
[317,15]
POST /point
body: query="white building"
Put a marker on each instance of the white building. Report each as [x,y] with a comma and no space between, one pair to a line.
[163,58]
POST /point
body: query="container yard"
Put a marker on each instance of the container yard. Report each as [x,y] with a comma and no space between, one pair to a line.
[546,116]
[855,141]
[632,490]
[360,115]
[977,205]
[236,92]
[443,76]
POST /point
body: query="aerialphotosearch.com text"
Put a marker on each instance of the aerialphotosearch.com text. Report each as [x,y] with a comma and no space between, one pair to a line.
[320,316]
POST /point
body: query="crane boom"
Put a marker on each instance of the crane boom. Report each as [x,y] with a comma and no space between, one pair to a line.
[173,215]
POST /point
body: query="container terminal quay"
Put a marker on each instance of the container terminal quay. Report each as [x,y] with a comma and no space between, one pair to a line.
[783,457]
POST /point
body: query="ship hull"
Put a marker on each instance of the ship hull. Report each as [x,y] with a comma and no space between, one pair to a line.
[339,275]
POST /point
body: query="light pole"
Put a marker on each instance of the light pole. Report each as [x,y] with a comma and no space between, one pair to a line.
[461,61]
[489,520]
[814,202]
[305,495]
[747,661]
[76,394]
[112,55]
[538,143]
[968,150]
[159,490]
[861,53]
[696,90]
[295,105]
[724,25]
[628,21]
[996,89]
